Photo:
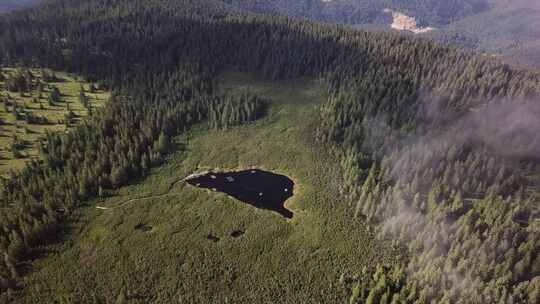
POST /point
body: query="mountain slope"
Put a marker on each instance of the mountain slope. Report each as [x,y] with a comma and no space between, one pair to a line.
[501,27]
[510,30]
[433,12]
[396,137]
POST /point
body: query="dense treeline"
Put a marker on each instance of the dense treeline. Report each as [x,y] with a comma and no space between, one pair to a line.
[380,87]
[384,285]
[279,48]
[234,109]
[449,178]
[448,173]
[401,67]
[465,217]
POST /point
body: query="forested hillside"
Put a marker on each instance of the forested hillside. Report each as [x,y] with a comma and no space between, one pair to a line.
[510,30]
[411,121]
[432,12]
[499,27]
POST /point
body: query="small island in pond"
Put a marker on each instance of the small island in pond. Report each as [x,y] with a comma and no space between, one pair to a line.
[261,189]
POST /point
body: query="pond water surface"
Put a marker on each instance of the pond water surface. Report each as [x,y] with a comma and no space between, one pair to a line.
[261,189]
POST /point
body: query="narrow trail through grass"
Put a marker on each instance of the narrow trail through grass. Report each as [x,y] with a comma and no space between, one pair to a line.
[150,196]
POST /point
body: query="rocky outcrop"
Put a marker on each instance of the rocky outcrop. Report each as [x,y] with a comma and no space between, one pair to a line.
[403,22]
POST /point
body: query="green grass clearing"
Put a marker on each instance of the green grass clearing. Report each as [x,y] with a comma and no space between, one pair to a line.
[32,102]
[274,261]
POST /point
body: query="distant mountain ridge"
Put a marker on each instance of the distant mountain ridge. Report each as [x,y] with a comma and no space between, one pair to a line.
[506,28]
[10,5]
[511,29]
[432,12]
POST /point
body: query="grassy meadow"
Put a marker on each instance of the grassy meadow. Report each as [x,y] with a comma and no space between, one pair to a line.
[16,130]
[161,240]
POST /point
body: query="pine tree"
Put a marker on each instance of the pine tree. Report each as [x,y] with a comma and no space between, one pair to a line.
[55,95]
[163,143]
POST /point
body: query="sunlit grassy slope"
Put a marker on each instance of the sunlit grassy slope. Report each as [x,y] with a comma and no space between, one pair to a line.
[157,250]
[12,129]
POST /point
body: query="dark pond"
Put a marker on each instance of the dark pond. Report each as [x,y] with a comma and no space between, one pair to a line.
[143,227]
[262,189]
[212,238]
[237,233]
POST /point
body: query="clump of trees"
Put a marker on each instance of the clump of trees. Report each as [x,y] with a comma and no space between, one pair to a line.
[383,284]
[33,119]
[48,76]
[83,99]
[16,146]
[55,96]
[20,81]
[234,109]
